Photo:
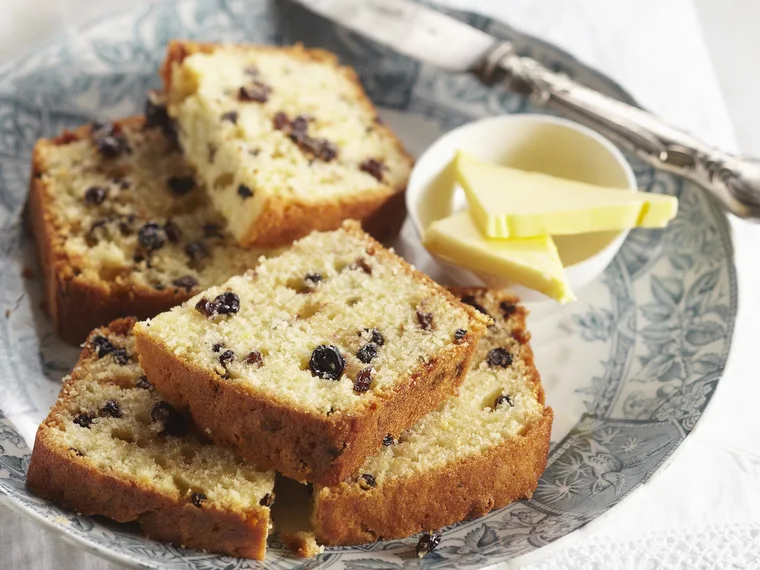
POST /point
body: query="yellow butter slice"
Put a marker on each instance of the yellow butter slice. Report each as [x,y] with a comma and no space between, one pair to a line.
[506,202]
[531,262]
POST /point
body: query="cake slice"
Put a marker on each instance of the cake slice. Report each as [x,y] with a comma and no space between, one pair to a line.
[285,139]
[305,364]
[110,446]
[475,453]
[122,225]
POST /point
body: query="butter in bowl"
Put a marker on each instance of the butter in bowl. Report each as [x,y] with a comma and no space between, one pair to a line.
[531,203]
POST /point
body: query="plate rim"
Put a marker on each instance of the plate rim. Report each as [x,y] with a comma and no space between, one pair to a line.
[725,234]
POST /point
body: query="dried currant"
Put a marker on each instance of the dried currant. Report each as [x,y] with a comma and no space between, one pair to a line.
[375,336]
[197,499]
[327,362]
[362,264]
[427,543]
[181,185]
[425,320]
[111,408]
[217,347]
[267,500]
[388,440]
[367,352]
[151,236]
[173,231]
[212,230]
[185,282]
[363,380]
[257,92]
[244,192]
[503,398]
[109,143]
[84,419]
[300,124]
[120,356]
[280,120]
[95,195]
[143,383]
[226,357]
[254,357]
[373,167]
[156,114]
[499,357]
[196,251]
[174,423]
[367,481]
[311,279]
[204,307]
[459,334]
[507,308]
[102,346]
[228,303]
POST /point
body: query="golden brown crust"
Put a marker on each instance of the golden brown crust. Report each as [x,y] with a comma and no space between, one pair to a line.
[283,221]
[300,445]
[346,514]
[62,477]
[76,304]
[72,481]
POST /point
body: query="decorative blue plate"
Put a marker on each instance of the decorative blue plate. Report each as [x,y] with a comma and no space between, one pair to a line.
[629,368]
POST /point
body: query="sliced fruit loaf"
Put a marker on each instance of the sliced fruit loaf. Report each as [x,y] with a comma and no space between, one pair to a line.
[285,139]
[477,452]
[110,446]
[305,364]
[122,225]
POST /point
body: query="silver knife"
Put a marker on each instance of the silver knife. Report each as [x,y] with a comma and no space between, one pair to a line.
[435,38]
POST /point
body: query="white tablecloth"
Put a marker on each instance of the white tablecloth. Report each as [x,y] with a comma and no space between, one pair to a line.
[703,509]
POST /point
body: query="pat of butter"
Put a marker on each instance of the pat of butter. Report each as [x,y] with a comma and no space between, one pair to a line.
[532,262]
[507,202]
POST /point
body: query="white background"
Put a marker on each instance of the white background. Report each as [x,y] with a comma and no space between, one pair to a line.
[695,62]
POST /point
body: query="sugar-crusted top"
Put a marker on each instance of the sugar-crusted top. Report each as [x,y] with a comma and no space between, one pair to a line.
[132,212]
[110,418]
[333,292]
[500,397]
[282,122]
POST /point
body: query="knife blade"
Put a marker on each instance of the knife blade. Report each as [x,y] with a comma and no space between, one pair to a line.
[437,39]
[411,29]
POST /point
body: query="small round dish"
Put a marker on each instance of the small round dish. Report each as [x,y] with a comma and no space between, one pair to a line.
[541,143]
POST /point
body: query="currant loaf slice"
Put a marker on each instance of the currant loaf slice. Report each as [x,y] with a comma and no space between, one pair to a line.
[305,364]
[477,452]
[285,139]
[110,446]
[122,225]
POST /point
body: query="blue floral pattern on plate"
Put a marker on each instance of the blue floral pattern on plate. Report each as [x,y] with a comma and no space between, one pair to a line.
[654,332]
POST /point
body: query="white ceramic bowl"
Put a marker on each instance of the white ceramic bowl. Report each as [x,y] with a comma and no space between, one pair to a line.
[531,142]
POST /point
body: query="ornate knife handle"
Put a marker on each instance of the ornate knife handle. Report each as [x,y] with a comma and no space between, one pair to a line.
[733,180]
